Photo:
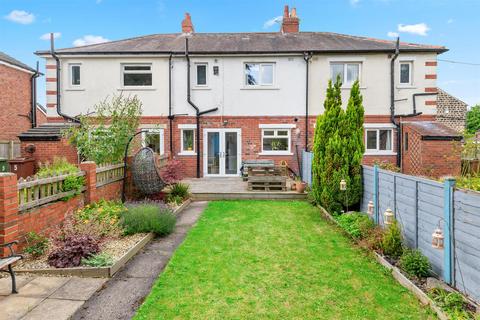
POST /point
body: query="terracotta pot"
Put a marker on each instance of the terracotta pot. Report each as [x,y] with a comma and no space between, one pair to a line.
[300,186]
[293,186]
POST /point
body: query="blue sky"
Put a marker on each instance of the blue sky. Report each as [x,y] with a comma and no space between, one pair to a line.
[454,24]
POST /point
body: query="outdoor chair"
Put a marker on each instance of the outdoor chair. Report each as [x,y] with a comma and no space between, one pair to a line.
[8,261]
[146,172]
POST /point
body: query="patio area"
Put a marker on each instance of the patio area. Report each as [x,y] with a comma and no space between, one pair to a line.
[234,188]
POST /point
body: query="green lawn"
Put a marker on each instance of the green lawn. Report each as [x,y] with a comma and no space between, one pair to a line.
[274,260]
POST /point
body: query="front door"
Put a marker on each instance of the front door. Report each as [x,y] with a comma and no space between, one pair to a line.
[222,152]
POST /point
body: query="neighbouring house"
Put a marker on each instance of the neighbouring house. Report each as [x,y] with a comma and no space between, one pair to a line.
[212,100]
[451,111]
[18,103]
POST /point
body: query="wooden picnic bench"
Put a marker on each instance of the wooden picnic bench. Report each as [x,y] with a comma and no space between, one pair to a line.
[8,261]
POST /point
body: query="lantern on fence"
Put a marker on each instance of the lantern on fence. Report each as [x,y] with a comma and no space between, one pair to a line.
[343,185]
[388,216]
[437,239]
[371,207]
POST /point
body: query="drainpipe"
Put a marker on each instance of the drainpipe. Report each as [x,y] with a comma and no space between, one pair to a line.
[33,83]
[57,60]
[392,99]
[306,56]
[170,115]
[198,113]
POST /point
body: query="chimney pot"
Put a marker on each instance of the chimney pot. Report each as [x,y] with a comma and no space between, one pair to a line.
[290,23]
[187,25]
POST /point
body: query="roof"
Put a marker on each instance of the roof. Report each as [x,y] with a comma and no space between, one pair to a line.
[45,132]
[8,59]
[238,43]
[432,130]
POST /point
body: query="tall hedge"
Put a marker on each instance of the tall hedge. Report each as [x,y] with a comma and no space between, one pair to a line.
[338,149]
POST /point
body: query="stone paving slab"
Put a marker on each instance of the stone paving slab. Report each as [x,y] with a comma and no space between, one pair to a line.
[15,307]
[54,309]
[79,288]
[123,294]
[6,284]
[42,287]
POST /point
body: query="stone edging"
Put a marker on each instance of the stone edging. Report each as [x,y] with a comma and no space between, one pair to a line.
[401,279]
[103,272]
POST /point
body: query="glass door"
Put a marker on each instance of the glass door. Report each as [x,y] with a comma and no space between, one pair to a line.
[223,152]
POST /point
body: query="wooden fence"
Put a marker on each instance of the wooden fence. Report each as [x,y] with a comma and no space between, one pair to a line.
[9,149]
[108,173]
[33,192]
[420,206]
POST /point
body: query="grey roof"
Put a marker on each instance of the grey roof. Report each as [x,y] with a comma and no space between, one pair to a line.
[266,42]
[6,58]
[45,132]
[433,130]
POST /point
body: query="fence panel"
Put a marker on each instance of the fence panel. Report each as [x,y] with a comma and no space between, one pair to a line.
[109,173]
[467,242]
[9,149]
[307,158]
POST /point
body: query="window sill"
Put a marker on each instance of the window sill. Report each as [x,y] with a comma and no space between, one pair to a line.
[349,87]
[201,88]
[137,89]
[406,86]
[380,153]
[260,88]
[75,89]
[275,153]
[187,153]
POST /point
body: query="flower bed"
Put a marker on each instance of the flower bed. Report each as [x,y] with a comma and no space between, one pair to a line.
[98,239]
[409,267]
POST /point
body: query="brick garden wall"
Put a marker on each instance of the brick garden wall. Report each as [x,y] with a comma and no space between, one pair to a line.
[15,102]
[48,150]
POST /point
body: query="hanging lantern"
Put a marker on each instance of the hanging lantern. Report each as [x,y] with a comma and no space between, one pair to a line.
[389,217]
[343,185]
[437,239]
[371,207]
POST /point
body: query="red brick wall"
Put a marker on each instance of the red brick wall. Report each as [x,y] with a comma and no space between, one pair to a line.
[41,117]
[48,150]
[111,191]
[15,102]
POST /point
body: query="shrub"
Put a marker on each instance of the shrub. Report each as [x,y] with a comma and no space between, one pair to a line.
[373,240]
[36,244]
[148,218]
[415,264]
[100,219]
[171,172]
[61,166]
[392,241]
[70,251]
[358,225]
[452,303]
[472,122]
[103,138]
[98,260]
[178,193]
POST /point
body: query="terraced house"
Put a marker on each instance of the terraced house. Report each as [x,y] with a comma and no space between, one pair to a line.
[213,100]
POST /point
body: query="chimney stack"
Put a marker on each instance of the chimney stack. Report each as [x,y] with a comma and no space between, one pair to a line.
[290,23]
[187,25]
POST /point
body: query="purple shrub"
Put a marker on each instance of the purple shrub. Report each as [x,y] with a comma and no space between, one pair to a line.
[171,172]
[69,251]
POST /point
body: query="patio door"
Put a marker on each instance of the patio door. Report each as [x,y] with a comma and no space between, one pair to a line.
[222,152]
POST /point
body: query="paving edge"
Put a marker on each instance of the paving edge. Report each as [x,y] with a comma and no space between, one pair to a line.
[103,272]
[397,274]
[248,196]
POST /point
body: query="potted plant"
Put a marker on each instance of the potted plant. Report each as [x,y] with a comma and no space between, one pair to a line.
[300,185]
[189,142]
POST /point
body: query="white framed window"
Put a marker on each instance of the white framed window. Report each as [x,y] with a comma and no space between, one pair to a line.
[136,75]
[154,139]
[201,71]
[276,139]
[349,72]
[406,68]
[75,74]
[259,74]
[379,140]
[187,140]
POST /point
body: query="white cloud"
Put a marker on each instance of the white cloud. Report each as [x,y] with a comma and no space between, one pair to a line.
[420,29]
[354,2]
[46,36]
[449,21]
[20,16]
[89,39]
[98,1]
[270,23]
[392,34]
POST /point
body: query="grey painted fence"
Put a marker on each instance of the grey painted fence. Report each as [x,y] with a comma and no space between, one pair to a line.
[307,158]
[420,206]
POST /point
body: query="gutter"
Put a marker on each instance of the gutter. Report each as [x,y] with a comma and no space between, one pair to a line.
[33,112]
[57,60]
[197,110]
[392,101]
[306,56]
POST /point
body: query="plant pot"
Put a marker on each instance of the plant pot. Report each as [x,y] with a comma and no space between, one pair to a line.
[293,186]
[300,187]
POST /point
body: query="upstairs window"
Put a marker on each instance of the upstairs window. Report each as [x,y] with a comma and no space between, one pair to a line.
[379,140]
[75,75]
[406,72]
[201,69]
[137,75]
[348,72]
[259,74]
